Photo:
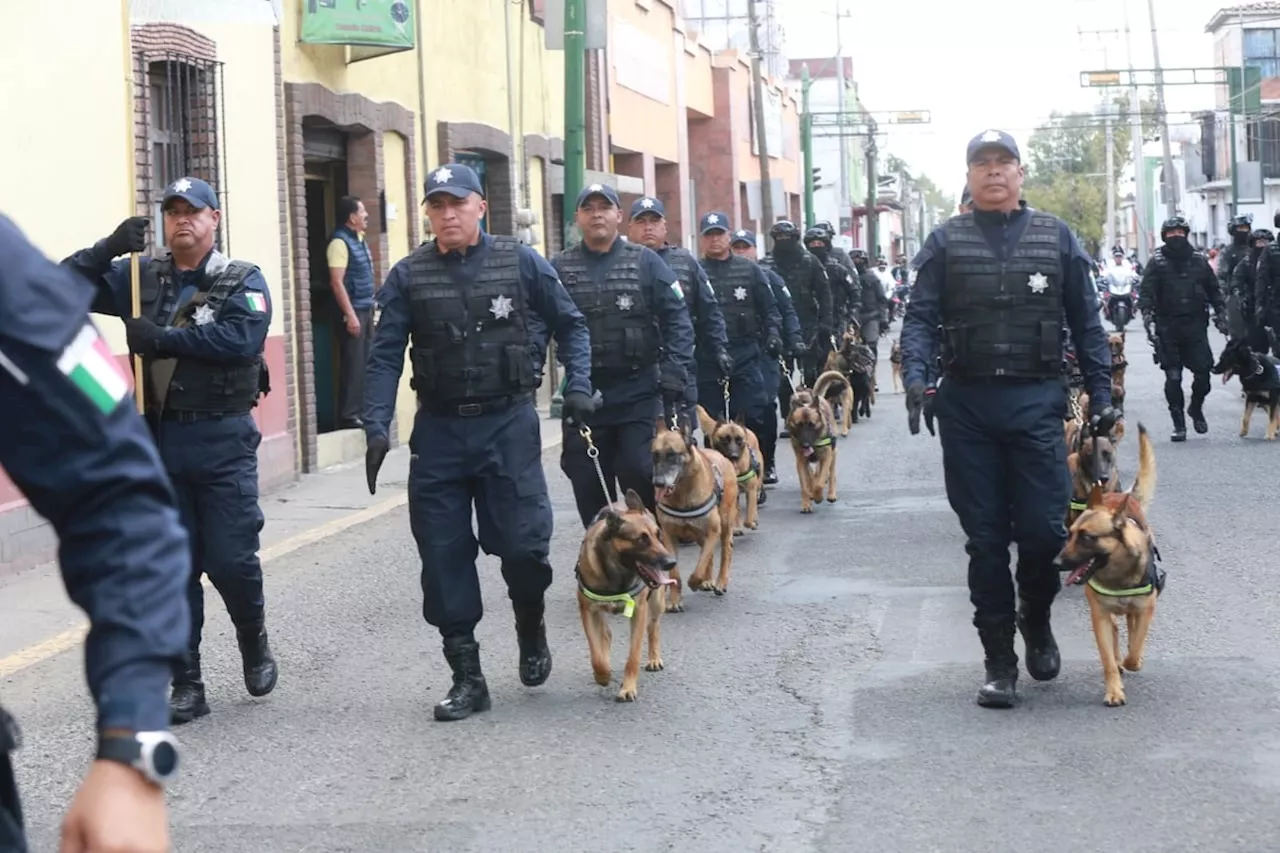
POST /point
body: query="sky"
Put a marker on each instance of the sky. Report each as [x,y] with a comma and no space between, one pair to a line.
[1005,65]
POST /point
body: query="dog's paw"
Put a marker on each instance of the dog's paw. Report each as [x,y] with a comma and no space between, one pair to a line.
[806,509]
[738,531]
[1131,664]
[602,676]
[1244,433]
[753,525]
[718,590]
[1114,697]
[832,498]
[654,665]
[626,694]
[675,606]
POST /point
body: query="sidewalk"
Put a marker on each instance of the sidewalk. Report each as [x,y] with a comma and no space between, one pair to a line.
[37,621]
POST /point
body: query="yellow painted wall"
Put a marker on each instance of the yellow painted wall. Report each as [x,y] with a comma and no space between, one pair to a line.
[636,121]
[84,67]
[393,147]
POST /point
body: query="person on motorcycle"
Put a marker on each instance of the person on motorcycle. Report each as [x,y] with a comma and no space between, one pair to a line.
[1175,287]
[1117,292]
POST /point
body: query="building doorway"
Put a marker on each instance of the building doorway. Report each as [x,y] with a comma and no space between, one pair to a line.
[325,166]
[477,164]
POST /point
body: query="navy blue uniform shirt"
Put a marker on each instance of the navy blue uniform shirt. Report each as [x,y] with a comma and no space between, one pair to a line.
[791,333]
[769,321]
[710,332]
[239,334]
[86,461]
[920,336]
[550,308]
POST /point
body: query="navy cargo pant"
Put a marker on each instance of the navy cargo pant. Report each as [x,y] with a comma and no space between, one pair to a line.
[771,370]
[1005,465]
[493,460]
[626,459]
[213,463]
[747,394]
[12,837]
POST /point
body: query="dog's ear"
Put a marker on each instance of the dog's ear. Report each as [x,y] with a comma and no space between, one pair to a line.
[1095,496]
[687,431]
[740,419]
[1122,514]
[612,523]
[660,425]
[633,500]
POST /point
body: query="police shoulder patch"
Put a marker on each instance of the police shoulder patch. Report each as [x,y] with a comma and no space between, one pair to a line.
[679,291]
[786,292]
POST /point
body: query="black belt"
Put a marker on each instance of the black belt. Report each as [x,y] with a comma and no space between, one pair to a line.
[1001,380]
[473,408]
[183,417]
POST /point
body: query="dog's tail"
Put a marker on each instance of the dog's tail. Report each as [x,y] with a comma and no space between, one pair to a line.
[705,421]
[1144,484]
[830,384]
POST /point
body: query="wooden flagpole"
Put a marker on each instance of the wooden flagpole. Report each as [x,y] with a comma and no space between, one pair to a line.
[130,158]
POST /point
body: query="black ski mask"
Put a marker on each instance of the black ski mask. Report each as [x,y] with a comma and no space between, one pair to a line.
[787,247]
[1240,237]
[1177,246]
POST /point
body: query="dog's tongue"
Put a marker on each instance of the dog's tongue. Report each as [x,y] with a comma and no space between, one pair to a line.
[664,579]
[808,451]
[660,492]
[1074,577]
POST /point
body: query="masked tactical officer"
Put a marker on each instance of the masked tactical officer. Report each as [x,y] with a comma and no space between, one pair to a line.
[1231,255]
[1177,283]
[74,446]
[1249,284]
[751,321]
[641,351]
[1266,300]
[845,297]
[992,290]
[744,244]
[806,281]
[648,228]
[476,309]
[838,252]
[201,336]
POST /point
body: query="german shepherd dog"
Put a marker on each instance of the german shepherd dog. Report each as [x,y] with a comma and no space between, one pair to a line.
[838,389]
[624,557]
[1111,549]
[859,365]
[1090,463]
[811,426]
[696,493]
[895,359]
[733,441]
[1260,379]
[1118,367]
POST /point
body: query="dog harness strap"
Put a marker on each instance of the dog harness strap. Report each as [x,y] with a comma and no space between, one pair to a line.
[626,598]
[710,504]
[1154,580]
[753,470]
[1079,506]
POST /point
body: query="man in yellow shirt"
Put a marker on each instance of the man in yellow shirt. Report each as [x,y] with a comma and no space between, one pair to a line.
[351,279]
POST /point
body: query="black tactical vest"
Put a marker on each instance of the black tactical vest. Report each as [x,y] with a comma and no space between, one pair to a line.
[684,265]
[197,385]
[624,331]
[799,280]
[470,337]
[1003,318]
[1180,287]
[734,284]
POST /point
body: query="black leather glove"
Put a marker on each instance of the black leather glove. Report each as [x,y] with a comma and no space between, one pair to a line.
[376,448]
[671,380]
[773,346]
[725,362]
[142,335]
[129,236]
[929,394]
[1104,421]
[799,349]
[577,407]
[1220,322]
[915,406]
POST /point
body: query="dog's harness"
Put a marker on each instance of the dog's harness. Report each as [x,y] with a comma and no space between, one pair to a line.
[753,470]
[627,599]
[705,507]
[1152,581]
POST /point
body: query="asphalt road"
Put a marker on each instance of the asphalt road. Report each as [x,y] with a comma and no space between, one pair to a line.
[824,704]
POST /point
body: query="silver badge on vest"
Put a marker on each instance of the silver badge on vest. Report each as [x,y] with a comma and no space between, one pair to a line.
[1038,283]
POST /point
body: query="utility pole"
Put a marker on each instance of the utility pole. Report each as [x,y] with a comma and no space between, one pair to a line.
[575,111]
[1170,176]
[806,145]
[873,193]
[1139,160]
[840,96]
[1108,108]
[757,85]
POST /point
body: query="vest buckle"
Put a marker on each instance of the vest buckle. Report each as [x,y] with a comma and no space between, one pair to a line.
[470,410]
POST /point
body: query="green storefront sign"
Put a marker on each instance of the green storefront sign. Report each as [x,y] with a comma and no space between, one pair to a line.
[386,24]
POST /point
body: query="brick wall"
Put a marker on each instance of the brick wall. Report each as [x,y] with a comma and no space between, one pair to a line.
[288,295]
[495,147]
[364,121]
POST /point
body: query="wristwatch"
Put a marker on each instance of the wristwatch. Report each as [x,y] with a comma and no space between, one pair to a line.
[155,755]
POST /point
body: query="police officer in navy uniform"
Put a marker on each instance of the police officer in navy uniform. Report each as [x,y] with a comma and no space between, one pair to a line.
[648,228]
[477,309]
[806,280]
[752,324]
[201,336]
[1175,286]
[992,290]
[75,447]
[744,244]
[642,344]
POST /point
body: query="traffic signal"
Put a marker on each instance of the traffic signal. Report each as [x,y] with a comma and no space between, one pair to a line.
[817,177]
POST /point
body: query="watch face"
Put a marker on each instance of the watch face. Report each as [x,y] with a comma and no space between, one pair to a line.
[164,759]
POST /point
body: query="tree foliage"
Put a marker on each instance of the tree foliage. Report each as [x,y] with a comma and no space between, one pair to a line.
[1066,162]
[941,205]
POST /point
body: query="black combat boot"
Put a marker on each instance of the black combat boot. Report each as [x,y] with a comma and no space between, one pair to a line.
[1000,688]
[1179,425]
[186,701]
[531,634]
[469,692]
[1196,411]
[771,474]
[260,672]
[1043,659]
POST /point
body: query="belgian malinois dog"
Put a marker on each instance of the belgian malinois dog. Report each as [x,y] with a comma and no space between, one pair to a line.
[811,426]
[1091,463]
[696,494]
[1111,549]
[1118,367]
[895,360]
[835,386]
[625,561]
[1260,380]
[733,441]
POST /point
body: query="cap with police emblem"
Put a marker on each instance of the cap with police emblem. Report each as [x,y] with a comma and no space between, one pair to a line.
[605,191]
[648,204]
[713,221]
[744,236]
[455,179]
[997,139]
[193,191]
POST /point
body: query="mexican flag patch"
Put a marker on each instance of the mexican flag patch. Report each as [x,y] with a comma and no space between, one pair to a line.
[88,363]
[257,302]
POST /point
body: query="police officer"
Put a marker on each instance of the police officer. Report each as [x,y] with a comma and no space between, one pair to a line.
[1266,299]
[744,244]
[476,309]
[806,280]
[1249,284]
[751,321]
[845,297]
[648,228]
[838,252]
[641,352]
[78,451]
[992,290]
[201,334]
[874,302]
[1177,283]
[1238,229]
